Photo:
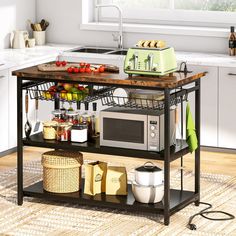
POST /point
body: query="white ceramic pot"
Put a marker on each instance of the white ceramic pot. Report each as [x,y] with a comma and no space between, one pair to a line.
[149,174]
[40,37]
[148,194]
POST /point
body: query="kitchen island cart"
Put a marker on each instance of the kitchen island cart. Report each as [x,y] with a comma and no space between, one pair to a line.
[175,92]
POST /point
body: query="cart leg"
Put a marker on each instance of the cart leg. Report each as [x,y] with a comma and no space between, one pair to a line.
[197,152]
[167,159]
[19,144]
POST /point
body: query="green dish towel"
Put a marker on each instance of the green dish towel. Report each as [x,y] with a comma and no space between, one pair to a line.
[191,136]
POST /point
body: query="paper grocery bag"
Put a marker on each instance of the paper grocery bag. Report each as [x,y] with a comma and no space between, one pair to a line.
[95,178]
[116,181]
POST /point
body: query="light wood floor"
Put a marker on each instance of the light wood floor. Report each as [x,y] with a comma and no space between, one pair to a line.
[211,162]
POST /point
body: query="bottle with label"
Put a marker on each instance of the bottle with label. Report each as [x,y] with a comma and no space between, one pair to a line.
[95,121]
[86,119]
[232,42]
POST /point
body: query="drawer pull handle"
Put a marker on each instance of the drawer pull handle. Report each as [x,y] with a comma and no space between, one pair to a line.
[2,76]
[232,74]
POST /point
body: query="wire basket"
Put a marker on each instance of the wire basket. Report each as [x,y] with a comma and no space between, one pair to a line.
[47,92]
[109,99]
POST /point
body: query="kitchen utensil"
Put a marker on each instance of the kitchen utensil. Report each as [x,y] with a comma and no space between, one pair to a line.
[18,39]
[37,125]
[28,126]
[150,61]
[149,174]
[148,194]
[42,23]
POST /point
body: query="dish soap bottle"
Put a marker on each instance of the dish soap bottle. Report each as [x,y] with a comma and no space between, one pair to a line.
[232,42]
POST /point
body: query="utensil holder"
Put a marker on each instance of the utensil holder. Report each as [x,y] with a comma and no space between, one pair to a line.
[40,37]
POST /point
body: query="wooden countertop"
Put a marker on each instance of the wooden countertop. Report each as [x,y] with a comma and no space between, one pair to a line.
[179,79]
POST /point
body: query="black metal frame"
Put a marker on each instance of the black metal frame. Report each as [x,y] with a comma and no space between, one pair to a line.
[169,205]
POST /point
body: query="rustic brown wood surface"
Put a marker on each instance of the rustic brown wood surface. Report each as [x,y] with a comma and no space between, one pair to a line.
[51,67]
[106,78]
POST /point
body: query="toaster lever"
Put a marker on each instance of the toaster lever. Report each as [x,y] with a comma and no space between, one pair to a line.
[134,61]
[149,62]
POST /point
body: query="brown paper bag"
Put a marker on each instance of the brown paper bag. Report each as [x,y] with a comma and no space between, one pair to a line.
[95,178]
[116,181]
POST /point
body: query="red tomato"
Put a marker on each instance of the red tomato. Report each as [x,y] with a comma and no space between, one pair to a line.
[87,65]
[81,88]
[101,69]
[82,64]
[70,70]
[76,70]
[58,63]
[82,70]
[87,70]
[63,63]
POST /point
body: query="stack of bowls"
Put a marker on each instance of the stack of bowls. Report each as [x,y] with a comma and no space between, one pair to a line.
[148,186]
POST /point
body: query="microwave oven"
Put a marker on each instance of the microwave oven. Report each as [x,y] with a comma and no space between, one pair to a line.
[135,128]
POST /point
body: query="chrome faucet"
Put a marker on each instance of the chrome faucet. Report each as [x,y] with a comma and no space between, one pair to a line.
[118,37]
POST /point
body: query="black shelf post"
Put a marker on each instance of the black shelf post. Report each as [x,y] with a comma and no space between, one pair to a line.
[198,125]
[167,159]
[19,144]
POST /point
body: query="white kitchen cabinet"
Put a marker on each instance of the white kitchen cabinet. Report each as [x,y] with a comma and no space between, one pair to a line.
[4,110]
[227,108]
[44,110]
[209,106]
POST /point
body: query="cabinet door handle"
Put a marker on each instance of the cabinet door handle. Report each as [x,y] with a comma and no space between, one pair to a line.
[2,76]
[233,74]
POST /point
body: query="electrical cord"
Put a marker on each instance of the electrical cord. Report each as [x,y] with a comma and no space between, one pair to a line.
[205,212]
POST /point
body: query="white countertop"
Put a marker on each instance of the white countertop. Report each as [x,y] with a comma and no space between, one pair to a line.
[193,58]
[18,57]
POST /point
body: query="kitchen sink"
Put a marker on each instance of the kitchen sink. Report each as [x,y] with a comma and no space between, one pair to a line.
[93,50]
[119,52]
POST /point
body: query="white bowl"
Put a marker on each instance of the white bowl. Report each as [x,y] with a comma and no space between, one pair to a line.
[148,194]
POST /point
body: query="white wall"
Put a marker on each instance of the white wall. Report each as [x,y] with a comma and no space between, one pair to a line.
[65,18]
[13,15]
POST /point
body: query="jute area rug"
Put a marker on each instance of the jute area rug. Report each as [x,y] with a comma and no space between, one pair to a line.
[38,217]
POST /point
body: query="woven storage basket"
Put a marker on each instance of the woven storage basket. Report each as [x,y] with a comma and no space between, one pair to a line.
[62,171]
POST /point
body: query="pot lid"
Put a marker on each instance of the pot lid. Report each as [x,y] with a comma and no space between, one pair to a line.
[148,167]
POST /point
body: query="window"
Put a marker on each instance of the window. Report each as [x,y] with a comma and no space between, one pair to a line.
[210,13]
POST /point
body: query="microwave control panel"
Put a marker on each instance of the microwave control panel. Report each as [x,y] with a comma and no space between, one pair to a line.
[153,133]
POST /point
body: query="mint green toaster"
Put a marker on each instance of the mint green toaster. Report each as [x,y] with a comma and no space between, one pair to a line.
[150,61]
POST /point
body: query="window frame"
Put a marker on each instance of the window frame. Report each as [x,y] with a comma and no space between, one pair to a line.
[172,17]
[88,22]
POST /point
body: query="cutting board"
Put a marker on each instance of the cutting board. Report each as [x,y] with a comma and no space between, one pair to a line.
[51,67]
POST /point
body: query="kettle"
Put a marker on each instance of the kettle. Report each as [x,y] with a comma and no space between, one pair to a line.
[18,39]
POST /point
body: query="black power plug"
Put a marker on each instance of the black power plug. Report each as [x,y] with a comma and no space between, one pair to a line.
[192,226]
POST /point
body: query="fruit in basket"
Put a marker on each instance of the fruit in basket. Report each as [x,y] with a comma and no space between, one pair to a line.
[67,86]
[48,95]
[69,97]
[60,88]
[63,94]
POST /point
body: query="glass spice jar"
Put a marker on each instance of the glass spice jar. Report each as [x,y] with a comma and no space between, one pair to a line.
[64,131]
[57,116]
[50,130]
[72,117]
